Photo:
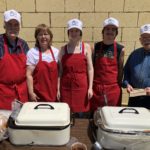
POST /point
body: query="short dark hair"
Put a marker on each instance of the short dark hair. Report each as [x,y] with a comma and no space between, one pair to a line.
[38,29]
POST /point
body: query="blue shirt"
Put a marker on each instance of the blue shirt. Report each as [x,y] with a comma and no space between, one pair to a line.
[137,69]
[13,47]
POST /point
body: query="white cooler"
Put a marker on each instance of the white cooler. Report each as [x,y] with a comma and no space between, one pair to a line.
[123,128]
[41,123]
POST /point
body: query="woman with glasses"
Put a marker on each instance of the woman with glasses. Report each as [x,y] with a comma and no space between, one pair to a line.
[42,70]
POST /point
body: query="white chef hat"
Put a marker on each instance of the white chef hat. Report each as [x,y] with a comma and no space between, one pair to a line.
[145,29]
[11,14]
[111,21]
[74,23]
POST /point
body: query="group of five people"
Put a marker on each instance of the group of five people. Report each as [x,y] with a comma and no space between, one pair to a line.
[84,78]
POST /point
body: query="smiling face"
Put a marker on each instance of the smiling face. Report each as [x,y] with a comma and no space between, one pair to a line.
[43,37]
[12,28]
[145,41]
[74,34]
[109,32]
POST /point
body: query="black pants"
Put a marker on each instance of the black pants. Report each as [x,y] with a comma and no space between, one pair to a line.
[139,101]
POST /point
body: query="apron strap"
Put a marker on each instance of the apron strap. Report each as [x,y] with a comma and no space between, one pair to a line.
[115,49]
[7,52]
[65,48]
[52,54]
[5,45]
[82,48]
[40,54]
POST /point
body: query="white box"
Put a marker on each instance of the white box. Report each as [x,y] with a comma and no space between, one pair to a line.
[41,123]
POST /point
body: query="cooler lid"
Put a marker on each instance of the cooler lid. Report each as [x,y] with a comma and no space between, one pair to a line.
[125,118]
[43,114]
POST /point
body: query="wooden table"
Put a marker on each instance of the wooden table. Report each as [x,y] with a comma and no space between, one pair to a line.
[79,131]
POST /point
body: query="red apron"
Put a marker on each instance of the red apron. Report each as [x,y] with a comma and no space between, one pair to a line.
[74,81]
[12,78]
[105,86]
[45,79]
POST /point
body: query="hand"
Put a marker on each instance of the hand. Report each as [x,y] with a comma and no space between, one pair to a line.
[147,91]
[129,88]
[33,97]
[90,93]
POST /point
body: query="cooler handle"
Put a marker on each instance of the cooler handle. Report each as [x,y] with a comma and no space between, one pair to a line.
[124,109]
[47,106]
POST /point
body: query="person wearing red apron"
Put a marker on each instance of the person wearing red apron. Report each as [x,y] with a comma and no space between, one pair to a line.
[76,70]
[42,70]
[108,66]
[12,62]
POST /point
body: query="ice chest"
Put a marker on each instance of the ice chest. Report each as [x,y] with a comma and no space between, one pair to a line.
[122,128]
[41,123]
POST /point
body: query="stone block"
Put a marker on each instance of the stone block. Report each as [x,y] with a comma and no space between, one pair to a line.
[93,19]
[126,19]
[136,5]
[34,19]
[129,47]
[109,5]
[31,44]
[87,34]
[97,34]
[1,20]
[2,5]
[79,6]
[50,5]
[21,5]
[58,44]
[143,19]
[130,34]
[61,19]
[58,34]
[27,34]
